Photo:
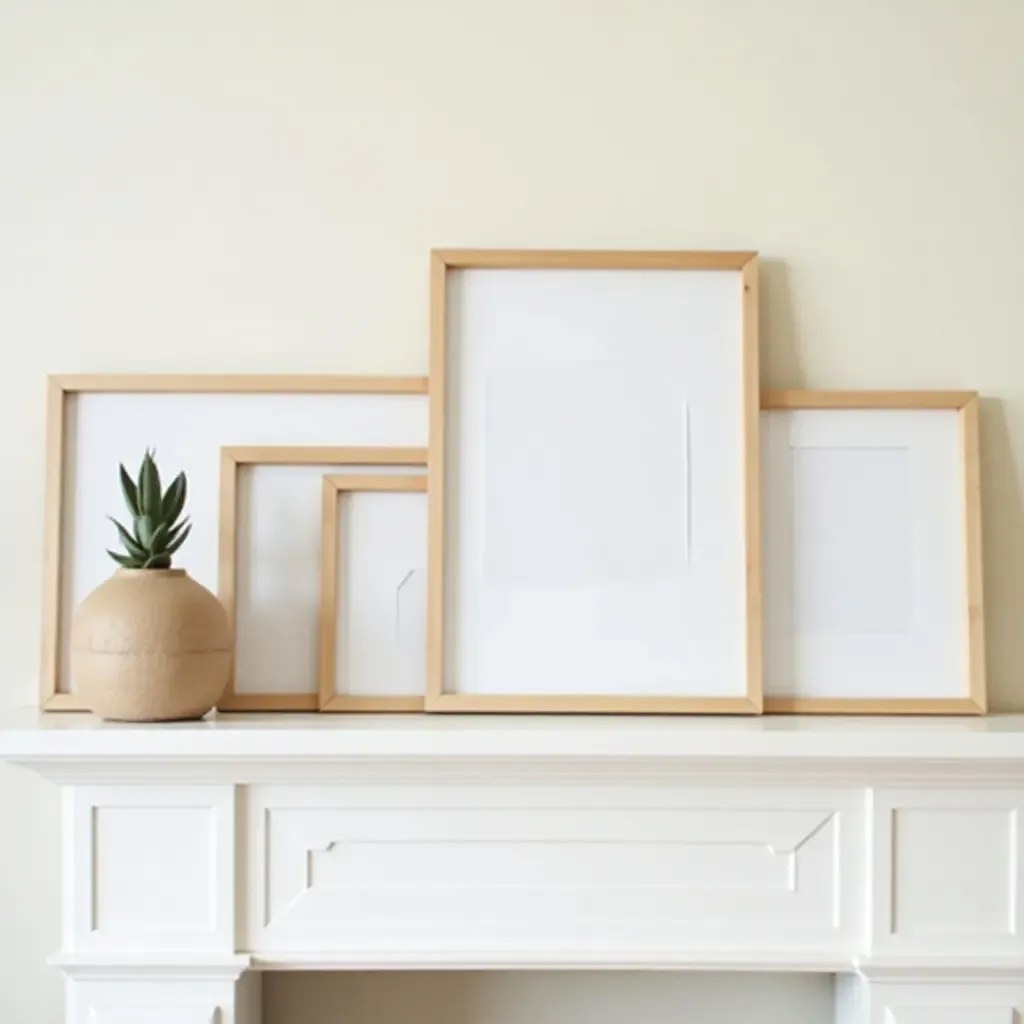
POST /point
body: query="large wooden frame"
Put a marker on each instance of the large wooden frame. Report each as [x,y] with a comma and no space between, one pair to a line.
[61,388]
[965,404]
[333,489]
[232,459]
[449,260]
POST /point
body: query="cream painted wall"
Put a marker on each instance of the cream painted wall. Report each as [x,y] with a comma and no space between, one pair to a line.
[237,185]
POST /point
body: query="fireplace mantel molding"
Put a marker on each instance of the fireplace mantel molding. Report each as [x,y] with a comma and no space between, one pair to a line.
[195,856]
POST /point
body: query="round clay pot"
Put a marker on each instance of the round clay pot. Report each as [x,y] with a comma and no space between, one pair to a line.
[150,645]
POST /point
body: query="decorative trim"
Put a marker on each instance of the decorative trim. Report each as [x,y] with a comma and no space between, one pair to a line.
[941,971]
[471,960]
[126,967]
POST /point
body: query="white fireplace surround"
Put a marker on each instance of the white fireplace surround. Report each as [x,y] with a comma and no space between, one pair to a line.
[197,855]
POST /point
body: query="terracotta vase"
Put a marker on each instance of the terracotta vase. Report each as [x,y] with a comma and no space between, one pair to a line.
[150,645]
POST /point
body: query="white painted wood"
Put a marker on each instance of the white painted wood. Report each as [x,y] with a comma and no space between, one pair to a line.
[407,871]
[595,513]
[956,1002]
[188,431]
[888,849]
[151,870]
[81,747]
[278,562]
[165,999]
[950,995]
[153,1015]
[381,620]
[951,1015]
[946,872]
[865,595]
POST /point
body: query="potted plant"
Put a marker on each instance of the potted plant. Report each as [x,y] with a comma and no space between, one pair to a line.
[151,644]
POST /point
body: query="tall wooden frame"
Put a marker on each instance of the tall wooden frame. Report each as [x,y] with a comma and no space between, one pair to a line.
[61,388]
[443,261]
[232,460]
[965,404]
[333,489]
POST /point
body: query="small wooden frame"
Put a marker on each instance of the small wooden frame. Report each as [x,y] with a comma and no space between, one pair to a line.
[232,459]
[956,461]
[333,489]
[93,420]
[712,316]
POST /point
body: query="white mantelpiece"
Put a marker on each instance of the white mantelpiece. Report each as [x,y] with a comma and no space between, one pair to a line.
[195,855]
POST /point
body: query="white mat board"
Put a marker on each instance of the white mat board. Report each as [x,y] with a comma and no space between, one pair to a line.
[864,565]
[594,459]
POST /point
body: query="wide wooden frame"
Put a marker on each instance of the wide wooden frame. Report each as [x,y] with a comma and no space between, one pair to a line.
[974,702]
[443,261]
[231,460]
[61,387]
[333,489]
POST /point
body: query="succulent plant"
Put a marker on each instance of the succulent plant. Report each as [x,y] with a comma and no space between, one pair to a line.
[156,533]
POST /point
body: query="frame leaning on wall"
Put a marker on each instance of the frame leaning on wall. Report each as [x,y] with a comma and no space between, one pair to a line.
[62,427]
[446,527]
[334,487]
[963,562]
[232,460]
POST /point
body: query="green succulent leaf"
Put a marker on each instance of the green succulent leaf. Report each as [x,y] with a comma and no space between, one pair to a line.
[129,490]
[132,546]
[158,541]
[125,561]
[156,532]
[174,499]
[150,500]
[144,531]
[178,541]
[175,532]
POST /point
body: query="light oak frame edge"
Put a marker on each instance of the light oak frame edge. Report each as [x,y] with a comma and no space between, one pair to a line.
[443,260]
[334,486]
[965,403]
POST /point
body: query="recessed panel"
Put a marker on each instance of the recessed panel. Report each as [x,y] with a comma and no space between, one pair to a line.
[954,872]
[154,870]
[381,872]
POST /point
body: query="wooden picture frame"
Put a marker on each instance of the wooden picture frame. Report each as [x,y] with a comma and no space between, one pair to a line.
[69,395]
[232,461]
[442,695]
[334,487]
[964,568]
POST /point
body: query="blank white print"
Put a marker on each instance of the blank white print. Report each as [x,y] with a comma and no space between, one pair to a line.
[574,528]
[381,622]
[863,553]
[595,523]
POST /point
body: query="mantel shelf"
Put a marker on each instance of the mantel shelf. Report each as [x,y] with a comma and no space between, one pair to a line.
[28,736]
